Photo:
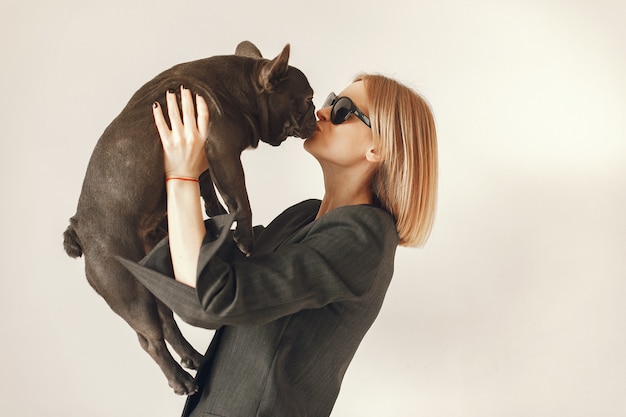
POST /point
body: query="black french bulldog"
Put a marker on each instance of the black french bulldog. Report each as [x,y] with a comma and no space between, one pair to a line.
[123,201]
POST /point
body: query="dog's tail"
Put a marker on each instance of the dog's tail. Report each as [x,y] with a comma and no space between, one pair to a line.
[71,243]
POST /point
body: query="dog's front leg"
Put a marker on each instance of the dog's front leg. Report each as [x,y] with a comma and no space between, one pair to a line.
[212,205]
[227,172]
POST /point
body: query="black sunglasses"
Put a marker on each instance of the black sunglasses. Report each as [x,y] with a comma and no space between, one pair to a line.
[342,108]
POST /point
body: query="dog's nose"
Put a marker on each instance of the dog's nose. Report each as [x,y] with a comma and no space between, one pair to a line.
[309,129]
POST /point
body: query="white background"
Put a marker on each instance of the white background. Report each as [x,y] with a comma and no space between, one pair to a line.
[514,308]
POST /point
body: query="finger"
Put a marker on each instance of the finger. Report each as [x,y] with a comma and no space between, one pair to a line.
[159,120]
[203,116]
[188,108]
[173,112]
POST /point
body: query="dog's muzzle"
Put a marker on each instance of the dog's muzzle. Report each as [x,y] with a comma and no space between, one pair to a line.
[305,126]
[301,127]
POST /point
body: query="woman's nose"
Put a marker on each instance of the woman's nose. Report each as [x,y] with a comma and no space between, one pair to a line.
[323,113]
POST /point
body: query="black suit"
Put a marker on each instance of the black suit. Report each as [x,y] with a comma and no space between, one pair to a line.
[290,317]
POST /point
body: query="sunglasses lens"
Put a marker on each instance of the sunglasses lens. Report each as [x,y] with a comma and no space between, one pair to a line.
[329,100]
[341,110]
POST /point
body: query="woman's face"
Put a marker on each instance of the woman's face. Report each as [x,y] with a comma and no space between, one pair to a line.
[344,144]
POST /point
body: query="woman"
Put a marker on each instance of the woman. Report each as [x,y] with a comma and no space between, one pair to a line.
[291,316]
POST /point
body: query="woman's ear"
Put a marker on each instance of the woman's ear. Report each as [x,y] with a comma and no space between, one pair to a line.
[372,156]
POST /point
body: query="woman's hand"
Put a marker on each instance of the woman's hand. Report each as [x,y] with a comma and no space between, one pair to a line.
[184,158]
[183,145]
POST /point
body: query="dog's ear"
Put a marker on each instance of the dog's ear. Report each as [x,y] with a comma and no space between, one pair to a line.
[247,48]
[274,71]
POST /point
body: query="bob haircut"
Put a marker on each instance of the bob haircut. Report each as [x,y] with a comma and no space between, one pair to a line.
[404,134]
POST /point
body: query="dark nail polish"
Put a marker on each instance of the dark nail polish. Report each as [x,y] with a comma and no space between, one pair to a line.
[155,104]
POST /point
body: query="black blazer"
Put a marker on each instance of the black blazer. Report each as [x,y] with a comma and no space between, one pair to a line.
[290,317]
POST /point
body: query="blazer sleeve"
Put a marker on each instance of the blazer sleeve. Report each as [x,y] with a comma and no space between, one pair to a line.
[338,259]
[156,273]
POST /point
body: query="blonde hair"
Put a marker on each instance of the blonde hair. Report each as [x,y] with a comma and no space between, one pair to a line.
[404,134]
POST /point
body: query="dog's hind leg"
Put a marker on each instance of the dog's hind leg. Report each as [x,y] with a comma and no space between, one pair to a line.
[135,304]
[189,357]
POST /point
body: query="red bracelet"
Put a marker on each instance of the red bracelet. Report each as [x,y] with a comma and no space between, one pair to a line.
[182,179]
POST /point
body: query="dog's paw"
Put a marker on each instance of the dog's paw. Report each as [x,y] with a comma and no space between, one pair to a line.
[244,248]
[192,363]
[184,384]
[244,241]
